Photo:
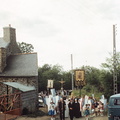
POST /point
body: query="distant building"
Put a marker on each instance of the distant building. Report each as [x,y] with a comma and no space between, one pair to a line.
[18,71]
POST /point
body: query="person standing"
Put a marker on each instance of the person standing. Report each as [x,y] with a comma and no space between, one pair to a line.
[71,106]
[96,104]
[90,103]
[66,109]
[87,112]
[76,108]
[52,111]
[61,107]
[101,105]
[57,98]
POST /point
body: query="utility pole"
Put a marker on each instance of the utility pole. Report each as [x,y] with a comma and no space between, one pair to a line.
[114,61]
[72,72]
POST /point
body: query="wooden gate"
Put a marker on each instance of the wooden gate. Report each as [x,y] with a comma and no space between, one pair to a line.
[10,104]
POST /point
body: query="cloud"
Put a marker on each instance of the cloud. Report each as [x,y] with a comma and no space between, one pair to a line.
[58,28]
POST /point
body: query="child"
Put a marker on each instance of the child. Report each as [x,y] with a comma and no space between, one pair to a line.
[52,111]
[101,108]
[87,112]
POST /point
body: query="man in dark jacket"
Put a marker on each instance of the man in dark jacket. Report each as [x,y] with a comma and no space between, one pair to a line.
[62,106]
[71,106]
[77,113]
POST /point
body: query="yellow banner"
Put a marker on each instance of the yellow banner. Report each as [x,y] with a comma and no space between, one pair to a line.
[79,75]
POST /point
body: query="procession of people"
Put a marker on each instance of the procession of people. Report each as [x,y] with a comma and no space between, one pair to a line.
[73,107]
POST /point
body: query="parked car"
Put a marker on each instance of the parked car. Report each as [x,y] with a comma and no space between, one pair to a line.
[40,101]
[114,107]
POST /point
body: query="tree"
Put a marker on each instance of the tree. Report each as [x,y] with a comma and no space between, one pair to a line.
[110,68]
[92,76]
[67,79]
[55,73]
[25,47]
[109,63]
[49,72]
[107,83]
[98,81]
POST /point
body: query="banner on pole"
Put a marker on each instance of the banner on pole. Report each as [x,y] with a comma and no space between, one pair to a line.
[50,84]
[79,75]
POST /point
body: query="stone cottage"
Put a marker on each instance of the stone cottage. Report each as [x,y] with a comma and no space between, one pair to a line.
[18,71]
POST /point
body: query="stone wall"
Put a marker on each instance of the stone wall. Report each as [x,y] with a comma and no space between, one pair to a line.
[2,59]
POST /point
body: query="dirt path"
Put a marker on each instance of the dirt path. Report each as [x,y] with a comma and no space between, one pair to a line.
[48,118]
[99,118]
[30,118]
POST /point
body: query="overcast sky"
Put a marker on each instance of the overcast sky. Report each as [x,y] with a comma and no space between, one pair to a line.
[59,28]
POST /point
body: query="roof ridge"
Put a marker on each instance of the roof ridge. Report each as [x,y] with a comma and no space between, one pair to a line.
[24,53]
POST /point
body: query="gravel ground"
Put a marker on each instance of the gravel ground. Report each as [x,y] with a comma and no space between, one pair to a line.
[46,117]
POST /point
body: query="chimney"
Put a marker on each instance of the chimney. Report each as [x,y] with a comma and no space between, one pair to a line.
[9,36]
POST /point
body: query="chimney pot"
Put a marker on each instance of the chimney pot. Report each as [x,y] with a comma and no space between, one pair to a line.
[9,25]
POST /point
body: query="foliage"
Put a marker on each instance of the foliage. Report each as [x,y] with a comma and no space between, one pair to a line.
[92,77]
[98,81]
[109,65]
[67,78]
[25,47]
[54,73]
[76,93]
[107,83]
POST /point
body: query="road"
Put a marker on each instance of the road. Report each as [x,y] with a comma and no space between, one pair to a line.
[57,118]
[48,118]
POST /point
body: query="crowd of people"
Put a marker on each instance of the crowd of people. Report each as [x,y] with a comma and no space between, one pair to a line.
[76,107]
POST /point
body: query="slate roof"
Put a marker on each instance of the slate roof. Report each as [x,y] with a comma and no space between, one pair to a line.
[24,65]
[19,86]
[3,43]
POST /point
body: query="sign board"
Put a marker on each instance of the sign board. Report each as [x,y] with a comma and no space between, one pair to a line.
[50,84]
[79,75]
